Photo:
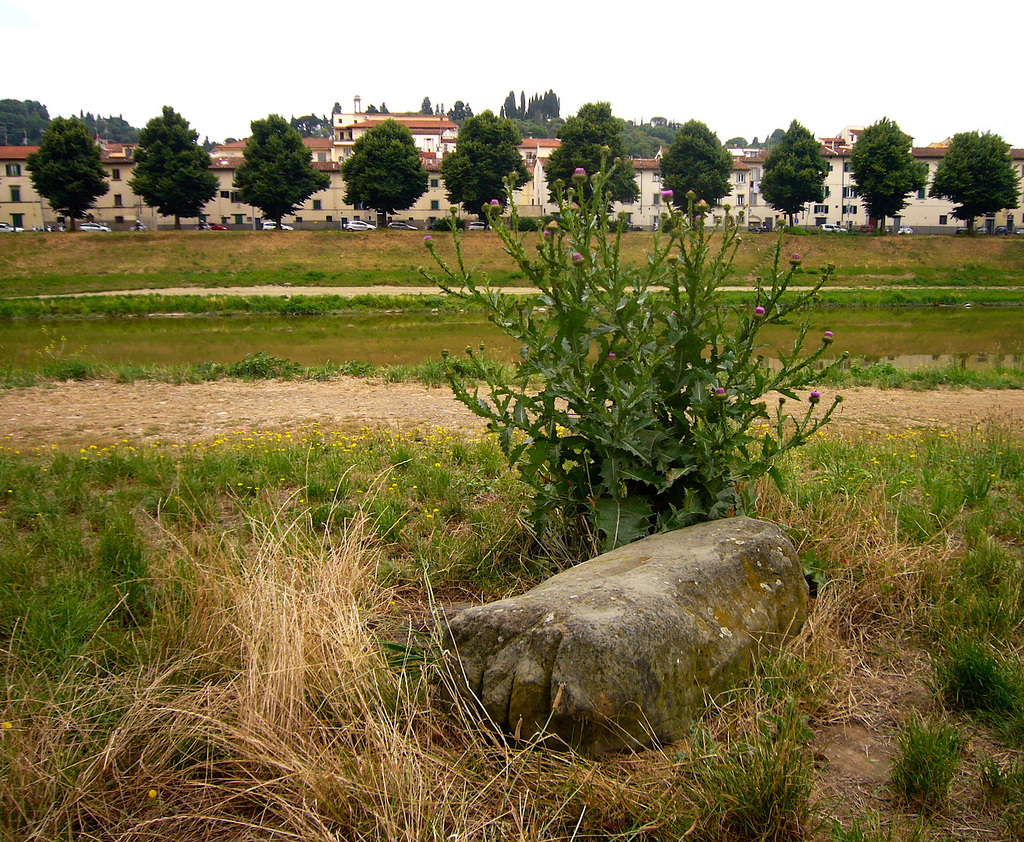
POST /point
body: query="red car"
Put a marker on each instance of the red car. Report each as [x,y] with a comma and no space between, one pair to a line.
[209,226]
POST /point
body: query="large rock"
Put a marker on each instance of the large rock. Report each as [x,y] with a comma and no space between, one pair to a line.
[623,651]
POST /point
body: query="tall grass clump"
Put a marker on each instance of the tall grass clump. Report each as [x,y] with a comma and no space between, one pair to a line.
[631,411]
[929,757]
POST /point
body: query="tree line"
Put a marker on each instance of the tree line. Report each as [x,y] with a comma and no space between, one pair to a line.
[385,172]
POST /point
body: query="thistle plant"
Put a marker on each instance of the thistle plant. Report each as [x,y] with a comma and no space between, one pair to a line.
[638,402]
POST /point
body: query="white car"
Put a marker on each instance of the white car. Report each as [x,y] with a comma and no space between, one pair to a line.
[906,229]
[360,225]
[402,226]
[270,225]
[93,226]
[834,228]
[7,228]
[477,225]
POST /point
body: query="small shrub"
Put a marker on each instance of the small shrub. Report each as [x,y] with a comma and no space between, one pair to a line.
[262,366]
[929,757]
[649,414]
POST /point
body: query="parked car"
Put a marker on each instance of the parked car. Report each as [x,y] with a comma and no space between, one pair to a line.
[270,225]
[476,225]
[93,226]
[7,228]
[360,225]
[867,229]
[1002,229]
[758,229]
[832,227]
[906,229]
[1019,229]
[402,226]
[138,226]
[211,226]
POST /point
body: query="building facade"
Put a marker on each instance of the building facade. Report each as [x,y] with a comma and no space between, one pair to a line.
[436,136]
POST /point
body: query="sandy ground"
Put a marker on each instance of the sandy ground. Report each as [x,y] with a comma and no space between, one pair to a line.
[73,414]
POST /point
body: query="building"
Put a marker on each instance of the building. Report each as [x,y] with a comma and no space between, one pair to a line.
[436,136]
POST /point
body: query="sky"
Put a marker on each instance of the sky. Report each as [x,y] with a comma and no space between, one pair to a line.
[743,69]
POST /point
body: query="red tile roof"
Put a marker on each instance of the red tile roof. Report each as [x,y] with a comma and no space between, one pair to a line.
[16,153]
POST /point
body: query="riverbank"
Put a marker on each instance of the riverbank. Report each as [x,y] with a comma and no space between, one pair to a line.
[79,414]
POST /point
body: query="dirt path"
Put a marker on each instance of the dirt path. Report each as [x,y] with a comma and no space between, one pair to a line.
[76,414]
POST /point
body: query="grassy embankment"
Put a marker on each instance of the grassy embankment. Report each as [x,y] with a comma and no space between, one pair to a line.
[63,264]
[233,640]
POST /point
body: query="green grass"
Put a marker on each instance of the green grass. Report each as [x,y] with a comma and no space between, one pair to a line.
[241,627]
[929,755]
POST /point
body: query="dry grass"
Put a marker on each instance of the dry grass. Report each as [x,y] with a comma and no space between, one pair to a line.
[273,702]
[336,258]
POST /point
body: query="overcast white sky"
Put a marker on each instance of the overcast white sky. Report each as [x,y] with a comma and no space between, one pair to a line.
[935,68]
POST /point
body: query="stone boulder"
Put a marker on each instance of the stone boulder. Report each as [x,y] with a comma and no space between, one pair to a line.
[623,651]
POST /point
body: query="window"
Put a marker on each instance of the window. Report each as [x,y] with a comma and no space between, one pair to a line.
[15,194]
[13,169]
[739,201]
[434,182]
[115,174]
[225,194]
[18,220]
[920,193]
[298,219]
[434,204]
[942,219]
[119,219]
[118,203]
[235,197]
[657,199]
[317,204]
[330,218]
[239,219]
[821,208]
[828,191]
[846,166]
[741,177]
[849,192]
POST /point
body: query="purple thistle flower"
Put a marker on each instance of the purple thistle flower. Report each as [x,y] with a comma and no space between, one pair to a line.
[579,171]
[759,311]
[667,194]
[611,355]
[427,238]
[495,202]
[827,337]
[814,397]
[577,257]
[720,392]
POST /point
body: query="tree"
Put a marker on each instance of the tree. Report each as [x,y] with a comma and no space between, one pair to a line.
[277,174]
[384,171]
[426,107]
[794,172]
[884,168]
[509,109]
[172,173]
[460,112]
[112,128]
[312,126]
[67,168]
[22,122]
[487,154]
[977,176]
[696,161]
[587,136]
